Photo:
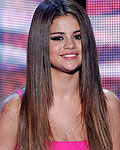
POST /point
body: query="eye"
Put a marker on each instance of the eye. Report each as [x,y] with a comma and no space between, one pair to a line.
[77,37]
[57,38]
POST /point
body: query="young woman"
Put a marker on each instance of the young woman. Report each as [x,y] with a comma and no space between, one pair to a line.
[63,105]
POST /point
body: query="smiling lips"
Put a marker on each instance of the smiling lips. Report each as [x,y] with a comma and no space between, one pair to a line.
[70,55]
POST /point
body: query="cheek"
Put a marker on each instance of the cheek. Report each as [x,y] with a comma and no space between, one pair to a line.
[51,51]
[79,48]
[53,54]
[79,45]
[54,50]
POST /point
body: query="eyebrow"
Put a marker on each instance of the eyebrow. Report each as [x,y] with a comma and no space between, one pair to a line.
[63,32]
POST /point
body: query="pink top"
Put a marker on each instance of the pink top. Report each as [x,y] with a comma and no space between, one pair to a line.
[63,145]
[69,145]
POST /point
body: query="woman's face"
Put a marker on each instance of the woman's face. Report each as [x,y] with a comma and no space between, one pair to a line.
[65,44]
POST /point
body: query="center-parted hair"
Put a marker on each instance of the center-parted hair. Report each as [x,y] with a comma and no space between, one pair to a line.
[34,128]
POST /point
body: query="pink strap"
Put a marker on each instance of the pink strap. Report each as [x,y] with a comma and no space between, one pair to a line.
[20,93]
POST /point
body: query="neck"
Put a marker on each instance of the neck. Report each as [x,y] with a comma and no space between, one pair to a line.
[65,85]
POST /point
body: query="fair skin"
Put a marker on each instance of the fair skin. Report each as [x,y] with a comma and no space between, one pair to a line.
[65,44]
[65,85]
[65,56]
[9,123]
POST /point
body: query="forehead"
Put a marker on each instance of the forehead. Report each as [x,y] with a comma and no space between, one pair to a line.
[65,22]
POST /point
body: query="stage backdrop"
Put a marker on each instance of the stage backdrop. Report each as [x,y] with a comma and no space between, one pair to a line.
[15,18]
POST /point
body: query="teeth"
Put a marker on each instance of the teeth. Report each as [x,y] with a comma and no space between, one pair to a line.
[72,55]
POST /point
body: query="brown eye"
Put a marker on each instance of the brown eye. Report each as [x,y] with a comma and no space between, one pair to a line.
[57,38]
[77,37]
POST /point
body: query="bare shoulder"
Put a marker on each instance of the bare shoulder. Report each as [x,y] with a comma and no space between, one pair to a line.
[113,104]
[9,116]
[113,101]
[11,103]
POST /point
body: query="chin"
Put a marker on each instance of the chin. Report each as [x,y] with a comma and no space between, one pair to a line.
[66,69]
[73,71]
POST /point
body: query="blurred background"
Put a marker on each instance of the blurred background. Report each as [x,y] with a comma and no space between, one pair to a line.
[15,19]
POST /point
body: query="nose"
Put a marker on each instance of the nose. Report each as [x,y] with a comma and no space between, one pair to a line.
[69,44]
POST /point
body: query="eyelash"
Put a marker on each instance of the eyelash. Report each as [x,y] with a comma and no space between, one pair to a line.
[77,37]
[59,38]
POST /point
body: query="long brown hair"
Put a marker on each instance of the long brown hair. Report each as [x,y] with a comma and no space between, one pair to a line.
[34,129]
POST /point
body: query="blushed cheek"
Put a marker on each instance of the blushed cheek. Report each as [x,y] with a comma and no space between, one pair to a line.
[52,56]
[50,52]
